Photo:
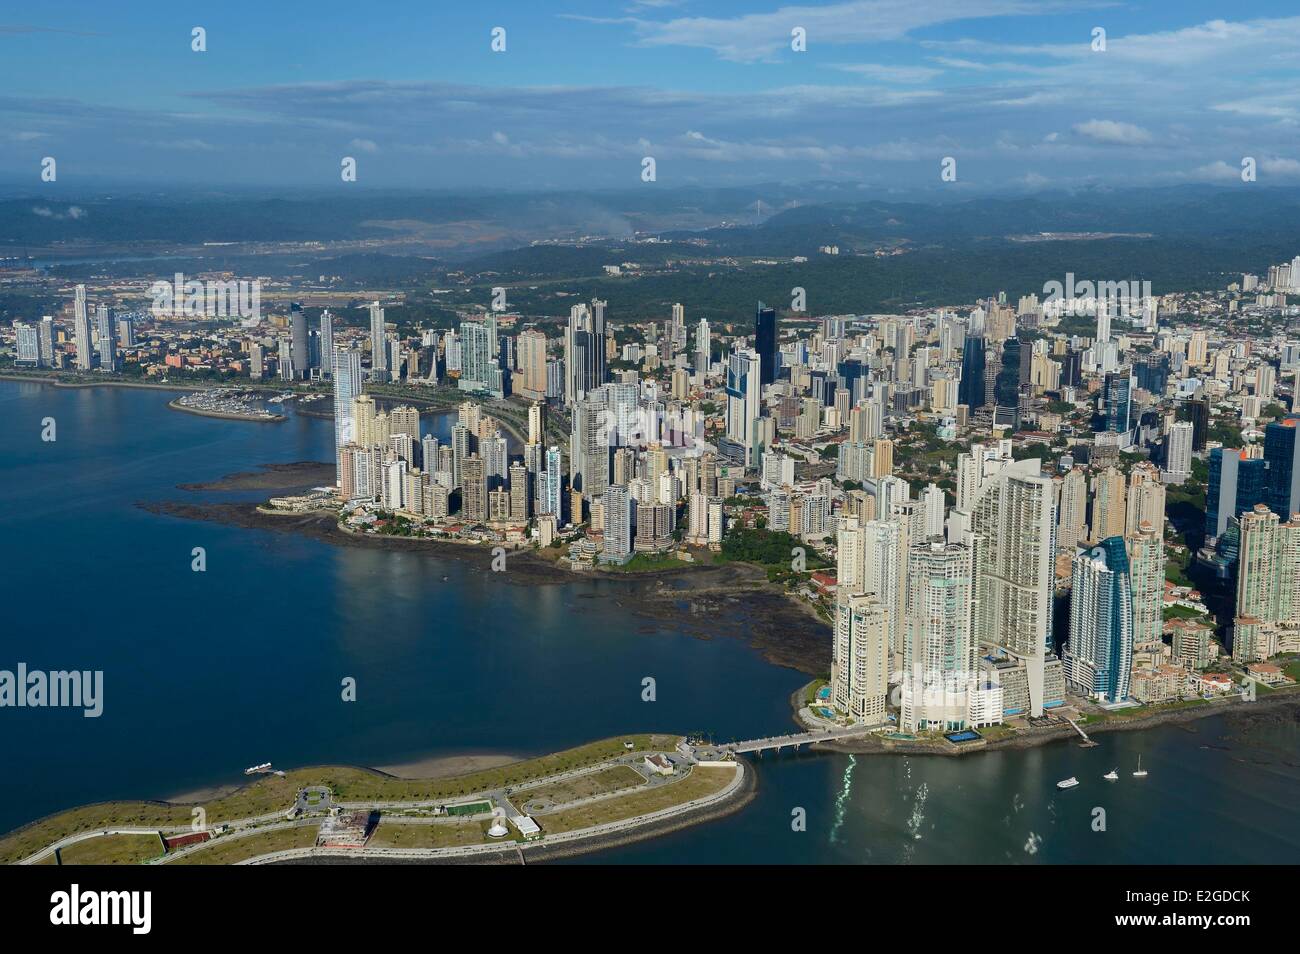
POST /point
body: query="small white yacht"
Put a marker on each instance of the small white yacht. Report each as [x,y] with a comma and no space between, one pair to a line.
[1112,775]
[1067,782]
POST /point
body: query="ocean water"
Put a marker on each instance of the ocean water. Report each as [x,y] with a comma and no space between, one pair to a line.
[206,673]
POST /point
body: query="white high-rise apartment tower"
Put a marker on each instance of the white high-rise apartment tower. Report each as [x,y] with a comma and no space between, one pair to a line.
[378,339]
[1014,520]
[938,642]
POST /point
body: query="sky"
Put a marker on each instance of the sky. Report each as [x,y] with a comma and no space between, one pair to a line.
[1015,91]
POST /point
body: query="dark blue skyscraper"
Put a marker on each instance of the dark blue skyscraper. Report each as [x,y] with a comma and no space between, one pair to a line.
[1100,655]
[1199,412]
[853,378]
[971,389]
[1282,453]
[1153,372]
[765,343]
[1117,403]
[1006,388]
[1236,485]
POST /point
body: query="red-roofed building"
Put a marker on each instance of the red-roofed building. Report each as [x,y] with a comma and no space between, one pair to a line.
[826,582]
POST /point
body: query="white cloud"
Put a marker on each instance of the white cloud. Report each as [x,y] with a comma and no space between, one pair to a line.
[1280,167]
[1111,131]
[1218,171]
[1040,98]
[891,74]
[73,212]
[760,36]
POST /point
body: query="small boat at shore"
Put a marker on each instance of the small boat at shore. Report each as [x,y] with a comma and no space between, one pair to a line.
[254,769]
[1070,782]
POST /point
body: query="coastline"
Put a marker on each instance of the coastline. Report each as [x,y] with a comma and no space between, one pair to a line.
[447,766]
[427,406]
[767,619]
[281,478]
[1227,706]
[737,598]
[60,383]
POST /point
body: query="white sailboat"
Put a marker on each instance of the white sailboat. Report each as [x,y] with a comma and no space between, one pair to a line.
[1141,772]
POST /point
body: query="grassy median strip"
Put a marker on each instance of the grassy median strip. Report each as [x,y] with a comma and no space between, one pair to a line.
[600,782]
[227,851]
[699,783]
[113,850]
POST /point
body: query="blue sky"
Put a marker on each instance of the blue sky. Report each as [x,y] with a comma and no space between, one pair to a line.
[886,88]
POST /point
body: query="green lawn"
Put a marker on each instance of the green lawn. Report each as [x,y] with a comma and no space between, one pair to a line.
[228,851]
[610,779]
[113,850]
[437,834]
[700,782]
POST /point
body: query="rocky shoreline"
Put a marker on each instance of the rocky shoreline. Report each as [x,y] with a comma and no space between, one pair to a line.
[282,478]
[731,600]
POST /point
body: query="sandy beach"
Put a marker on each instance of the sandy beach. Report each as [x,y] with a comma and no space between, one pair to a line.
[447,766]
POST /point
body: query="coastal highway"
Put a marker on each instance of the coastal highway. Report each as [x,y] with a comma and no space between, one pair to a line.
[172,829]
[237,825]
[87,835]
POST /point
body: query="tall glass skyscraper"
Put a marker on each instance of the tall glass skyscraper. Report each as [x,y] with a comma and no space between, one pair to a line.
[378,343]
[971,389]
[1100,655]
[1117,403]
[765,343]
[302,362]
[1237,484]
[1282,454]
[1006,388]
[743,404]
[345,368]
[1153,372]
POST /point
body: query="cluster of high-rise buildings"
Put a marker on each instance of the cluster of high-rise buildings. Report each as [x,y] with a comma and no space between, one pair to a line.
[990,482]
[98,338]
[635,472]
[947,605]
